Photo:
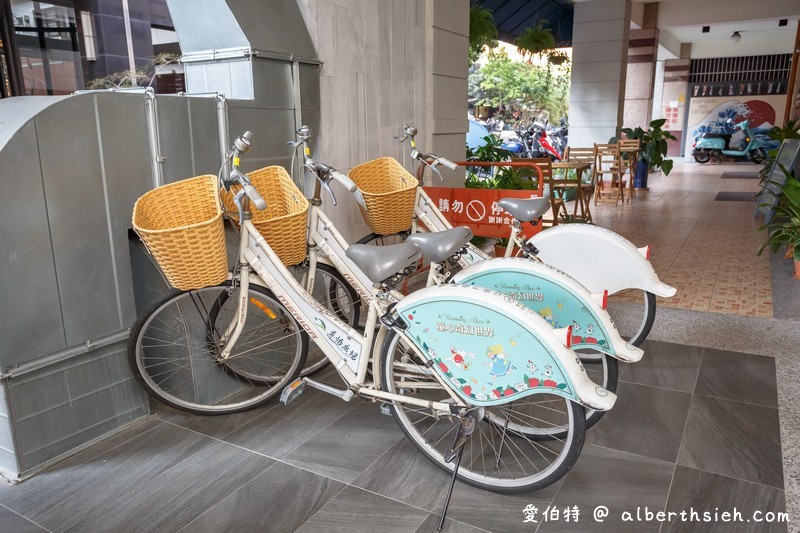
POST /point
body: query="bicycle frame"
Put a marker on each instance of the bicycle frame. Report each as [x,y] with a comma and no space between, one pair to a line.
[348,350]
[351,352]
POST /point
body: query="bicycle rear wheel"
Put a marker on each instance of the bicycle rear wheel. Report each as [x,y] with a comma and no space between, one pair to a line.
[495,458]
[174,350]
[602,368]
[648,317]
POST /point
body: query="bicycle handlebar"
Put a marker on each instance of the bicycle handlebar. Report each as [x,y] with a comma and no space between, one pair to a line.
[344,180]
[255,197]
[429,160]
[447,163]
[251,192]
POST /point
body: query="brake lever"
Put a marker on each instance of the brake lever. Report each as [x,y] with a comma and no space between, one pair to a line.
[324,182]
[328,188]
[237,199]
[436,170]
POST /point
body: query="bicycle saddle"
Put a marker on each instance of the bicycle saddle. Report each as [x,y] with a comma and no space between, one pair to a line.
[440,245]
[525,209]
[382,262]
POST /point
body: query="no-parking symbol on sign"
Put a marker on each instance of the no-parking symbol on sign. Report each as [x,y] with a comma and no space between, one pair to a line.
[476,210]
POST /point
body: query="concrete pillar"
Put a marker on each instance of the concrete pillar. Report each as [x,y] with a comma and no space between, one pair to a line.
[673,100]
[640,78]
[642,66]
[386,64]
[448,63]
[599,61]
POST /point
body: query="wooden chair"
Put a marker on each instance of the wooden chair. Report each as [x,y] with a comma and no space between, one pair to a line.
[556,203]
[610,170]
[629,149]
[587,186]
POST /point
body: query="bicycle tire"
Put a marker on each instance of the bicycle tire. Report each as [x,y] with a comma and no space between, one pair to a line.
[648,318]
[338,296]
[509,469]
[173,350]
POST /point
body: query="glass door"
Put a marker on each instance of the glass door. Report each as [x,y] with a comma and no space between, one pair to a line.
[46,37]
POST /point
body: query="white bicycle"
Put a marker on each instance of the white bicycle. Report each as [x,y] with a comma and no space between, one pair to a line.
[436,357]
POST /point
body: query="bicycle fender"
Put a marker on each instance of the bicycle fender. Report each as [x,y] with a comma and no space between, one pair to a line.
[492,350]
[557,297]
[599,259]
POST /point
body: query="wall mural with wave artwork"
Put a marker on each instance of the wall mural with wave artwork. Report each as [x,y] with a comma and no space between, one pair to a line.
[710,115]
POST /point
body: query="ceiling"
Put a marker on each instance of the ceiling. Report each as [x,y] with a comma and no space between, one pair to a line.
[759,37]
[513,16]
[679,21]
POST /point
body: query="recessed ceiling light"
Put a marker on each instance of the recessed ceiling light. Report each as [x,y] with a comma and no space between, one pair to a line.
[736,37]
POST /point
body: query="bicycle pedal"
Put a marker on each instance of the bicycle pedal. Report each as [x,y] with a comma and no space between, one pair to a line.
[292,391]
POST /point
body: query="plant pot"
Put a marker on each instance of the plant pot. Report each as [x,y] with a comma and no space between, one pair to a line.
[640,178]
[797,270]
[499,251]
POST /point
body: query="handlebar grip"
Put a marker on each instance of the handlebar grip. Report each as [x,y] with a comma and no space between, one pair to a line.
[447,163]
[344,180]
[255,197]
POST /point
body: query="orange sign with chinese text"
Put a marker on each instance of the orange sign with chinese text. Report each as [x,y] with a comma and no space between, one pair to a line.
[478,209]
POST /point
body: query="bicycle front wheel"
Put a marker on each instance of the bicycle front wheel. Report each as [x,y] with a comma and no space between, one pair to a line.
[495,457]
[335,294]
[174,350]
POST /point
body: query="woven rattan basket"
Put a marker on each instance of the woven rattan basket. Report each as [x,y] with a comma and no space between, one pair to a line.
[283,223]
[181,224]
[389,192]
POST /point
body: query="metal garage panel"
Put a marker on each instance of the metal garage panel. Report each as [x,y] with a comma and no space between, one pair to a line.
[204,120]
[66,405]
[175,137]
[271,128]
[274,87]
[127,173]
[76,206]
[309,87]
[30,323]
[8,460]
[233,78]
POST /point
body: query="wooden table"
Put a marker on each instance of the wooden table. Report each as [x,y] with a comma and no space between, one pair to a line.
[583,194]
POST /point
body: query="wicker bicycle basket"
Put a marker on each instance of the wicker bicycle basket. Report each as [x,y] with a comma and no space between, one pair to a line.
[389,192]
[283,223]
[181,224]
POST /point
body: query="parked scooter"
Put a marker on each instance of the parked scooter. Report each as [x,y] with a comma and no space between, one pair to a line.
[558,137]
[718,145]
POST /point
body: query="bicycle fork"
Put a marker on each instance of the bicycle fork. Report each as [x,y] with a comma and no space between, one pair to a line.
[237,325]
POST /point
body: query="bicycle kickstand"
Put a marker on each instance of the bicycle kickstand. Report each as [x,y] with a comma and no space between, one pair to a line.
[465,429]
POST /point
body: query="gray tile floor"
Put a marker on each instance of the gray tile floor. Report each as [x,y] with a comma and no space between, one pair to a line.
[694,429]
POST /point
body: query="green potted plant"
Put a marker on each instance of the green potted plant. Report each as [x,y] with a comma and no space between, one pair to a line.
[536,40]
[785,228]
[653,150]
[482,31]
[504,178]
[784,233]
